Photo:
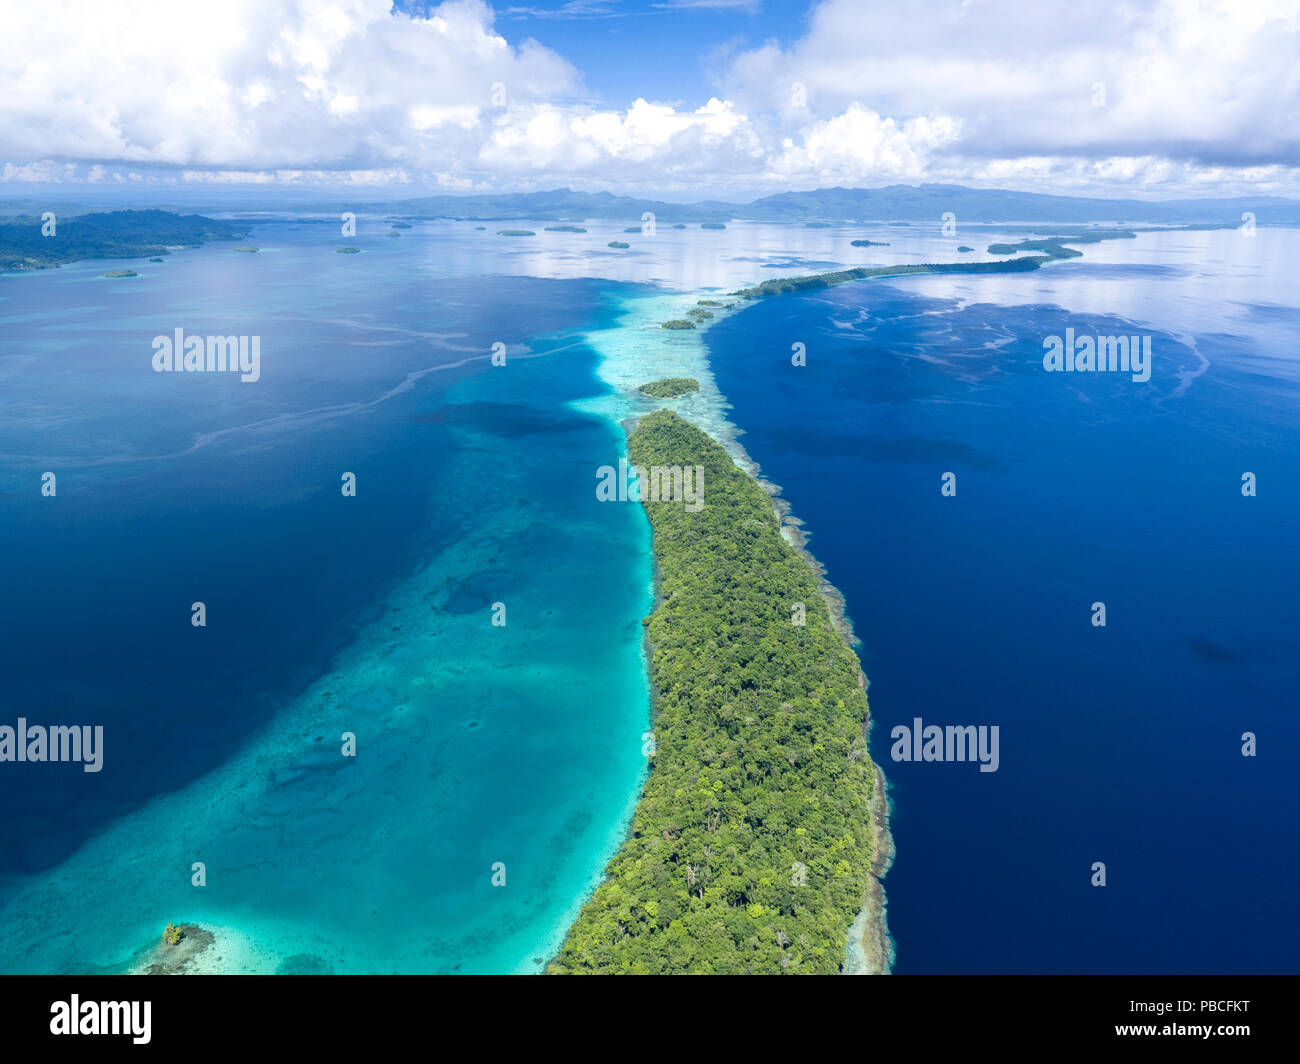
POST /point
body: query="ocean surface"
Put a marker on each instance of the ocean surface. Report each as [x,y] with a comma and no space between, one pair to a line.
[489,752]
[1119,744]
[483,751]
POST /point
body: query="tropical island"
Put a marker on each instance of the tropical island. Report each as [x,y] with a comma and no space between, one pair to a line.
[751,849]
[125,234]
[178,951]
[121,273]
[781,285]
[670,387]
[678,323]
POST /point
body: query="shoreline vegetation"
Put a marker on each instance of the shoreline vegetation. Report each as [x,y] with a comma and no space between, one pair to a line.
[754,844]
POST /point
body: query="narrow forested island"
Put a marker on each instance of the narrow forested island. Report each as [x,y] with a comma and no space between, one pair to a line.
[780,285]
[751,847]
[24,244]
[670,387]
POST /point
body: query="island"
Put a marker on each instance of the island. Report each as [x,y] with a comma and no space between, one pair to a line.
[670,387]
[178,951]
[1050,248]
[155,260]
[247,250]
[632,229]
[618,244]
[126,234]
[515,232]
[121,273]
[678,323]
[392,232]
[870,243]
[712,225]
[781,285]
[400,225]
[964,248]
[565,229]
[752,846]
[711,303]
[699,313]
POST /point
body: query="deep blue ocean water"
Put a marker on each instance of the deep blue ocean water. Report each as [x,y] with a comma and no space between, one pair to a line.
[1119,744]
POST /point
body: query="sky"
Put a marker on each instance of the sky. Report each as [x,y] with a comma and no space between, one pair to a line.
[680,99]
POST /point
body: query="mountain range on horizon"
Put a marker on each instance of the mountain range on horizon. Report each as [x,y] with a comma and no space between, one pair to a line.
[910,203]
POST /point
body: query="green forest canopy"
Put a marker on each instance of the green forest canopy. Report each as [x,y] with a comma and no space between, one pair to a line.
[750,849]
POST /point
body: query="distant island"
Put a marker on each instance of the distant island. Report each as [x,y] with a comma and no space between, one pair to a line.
[870,243]
[712,225]
[751,848]
[121,273]
[618,244]
[964,248]
[678,323]
[124,234]
[515,232]
[670,387]
[565,229]
[348,251]
[781,285]
[249,250]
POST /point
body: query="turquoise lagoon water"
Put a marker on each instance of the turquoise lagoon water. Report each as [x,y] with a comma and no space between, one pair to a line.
[478,746]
